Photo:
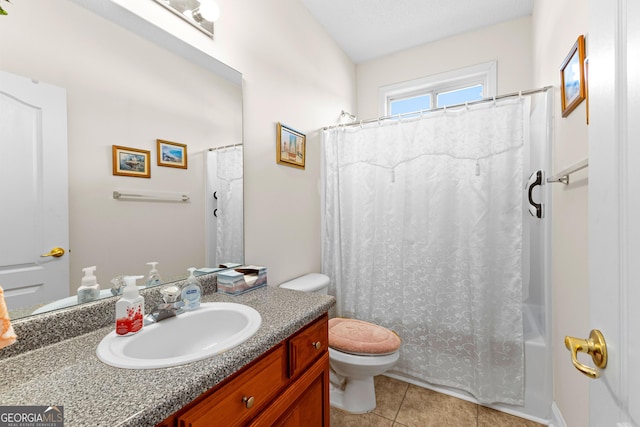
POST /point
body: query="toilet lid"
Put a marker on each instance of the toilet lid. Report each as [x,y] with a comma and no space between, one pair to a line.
[359,337]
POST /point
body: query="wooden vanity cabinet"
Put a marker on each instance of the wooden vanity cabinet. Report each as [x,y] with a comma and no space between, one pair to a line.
[287,386]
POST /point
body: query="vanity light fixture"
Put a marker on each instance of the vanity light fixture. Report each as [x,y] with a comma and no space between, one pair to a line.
[199,13]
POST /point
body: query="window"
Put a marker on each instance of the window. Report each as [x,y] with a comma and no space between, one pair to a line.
[441,90]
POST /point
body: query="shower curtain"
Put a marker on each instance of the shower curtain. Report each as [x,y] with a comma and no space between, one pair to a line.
[228,184]
[422,233]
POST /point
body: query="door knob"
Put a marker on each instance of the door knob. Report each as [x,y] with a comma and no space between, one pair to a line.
[594,346]
[55,252]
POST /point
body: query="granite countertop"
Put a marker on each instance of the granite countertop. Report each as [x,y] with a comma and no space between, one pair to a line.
[92,393]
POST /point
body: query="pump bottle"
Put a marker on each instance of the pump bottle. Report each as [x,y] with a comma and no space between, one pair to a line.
[130,308]
[191,292]
[154,277]
[89,289]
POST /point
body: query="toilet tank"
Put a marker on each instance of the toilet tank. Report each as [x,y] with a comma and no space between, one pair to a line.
[312,282]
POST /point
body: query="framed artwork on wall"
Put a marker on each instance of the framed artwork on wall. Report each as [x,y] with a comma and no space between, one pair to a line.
[290,147]
[572,81]
[131,162]
[171,154]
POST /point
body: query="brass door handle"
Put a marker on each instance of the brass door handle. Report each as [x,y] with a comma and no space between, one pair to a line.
[55,252]
[594,346]
[317,345]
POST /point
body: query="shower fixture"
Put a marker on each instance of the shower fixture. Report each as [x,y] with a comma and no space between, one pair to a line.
[199,13]
[347,114]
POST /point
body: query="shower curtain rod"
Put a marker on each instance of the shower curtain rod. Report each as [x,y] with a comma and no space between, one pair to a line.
[399,116]
[225,146]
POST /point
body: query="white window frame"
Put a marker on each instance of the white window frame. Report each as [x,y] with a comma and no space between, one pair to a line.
[484,74]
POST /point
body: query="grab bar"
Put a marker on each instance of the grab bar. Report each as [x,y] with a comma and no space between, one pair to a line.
[536,179]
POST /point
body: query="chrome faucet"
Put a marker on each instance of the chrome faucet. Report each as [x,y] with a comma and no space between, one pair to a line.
[117,285]
[171,307]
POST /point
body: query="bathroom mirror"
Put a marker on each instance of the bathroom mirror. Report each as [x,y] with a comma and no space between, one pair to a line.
[129,83]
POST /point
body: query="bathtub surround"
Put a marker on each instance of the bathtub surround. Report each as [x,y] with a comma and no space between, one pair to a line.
[423,235]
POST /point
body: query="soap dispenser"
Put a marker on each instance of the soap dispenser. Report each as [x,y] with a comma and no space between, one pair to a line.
[154,277]
[89,289]
[130,308]
[191,292]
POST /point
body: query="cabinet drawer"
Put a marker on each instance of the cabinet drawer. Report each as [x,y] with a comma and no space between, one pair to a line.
[308,345]
[243,397]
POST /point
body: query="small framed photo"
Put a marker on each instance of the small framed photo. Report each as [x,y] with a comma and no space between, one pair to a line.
[572,81]
[290,147]
[171,154]
[131,162]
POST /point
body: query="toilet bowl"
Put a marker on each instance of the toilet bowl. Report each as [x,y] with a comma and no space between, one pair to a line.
[358,351]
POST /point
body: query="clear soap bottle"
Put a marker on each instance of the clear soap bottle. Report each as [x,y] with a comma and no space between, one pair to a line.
[89,289]
[154,277]
[191,292]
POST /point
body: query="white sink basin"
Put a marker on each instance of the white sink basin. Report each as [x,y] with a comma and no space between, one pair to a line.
[194,335]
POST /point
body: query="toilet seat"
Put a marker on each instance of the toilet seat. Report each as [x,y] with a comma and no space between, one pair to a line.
[362,338]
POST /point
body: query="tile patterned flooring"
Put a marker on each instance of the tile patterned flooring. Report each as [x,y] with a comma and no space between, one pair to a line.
[400,404]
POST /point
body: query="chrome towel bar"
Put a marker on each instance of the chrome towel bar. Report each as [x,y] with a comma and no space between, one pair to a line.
[563,175]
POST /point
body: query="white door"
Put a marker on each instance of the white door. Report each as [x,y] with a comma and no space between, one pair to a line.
[614,207]
[33,191]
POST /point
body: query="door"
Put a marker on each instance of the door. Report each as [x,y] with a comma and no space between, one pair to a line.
[33,192]
[614,208]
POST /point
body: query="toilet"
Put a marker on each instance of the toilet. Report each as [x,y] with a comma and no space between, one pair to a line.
[358,351]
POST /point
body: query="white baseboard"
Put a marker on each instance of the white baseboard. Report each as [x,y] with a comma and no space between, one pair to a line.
[556,417]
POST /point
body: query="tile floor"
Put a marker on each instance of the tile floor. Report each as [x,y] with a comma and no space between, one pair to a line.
[401,404]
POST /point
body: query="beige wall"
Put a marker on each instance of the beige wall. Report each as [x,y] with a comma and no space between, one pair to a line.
[508,43]
[554,35]
[295,74]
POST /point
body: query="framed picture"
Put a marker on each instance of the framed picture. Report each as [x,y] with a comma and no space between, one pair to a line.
[171,154]
[290,147]
[131,162]
[572,85]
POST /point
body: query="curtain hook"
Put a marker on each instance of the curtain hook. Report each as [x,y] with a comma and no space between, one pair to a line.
[494,100]
[466,105]
[360,124]
[519,94]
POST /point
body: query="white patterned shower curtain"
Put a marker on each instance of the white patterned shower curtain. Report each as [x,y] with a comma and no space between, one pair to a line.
[422,233]
[224,176]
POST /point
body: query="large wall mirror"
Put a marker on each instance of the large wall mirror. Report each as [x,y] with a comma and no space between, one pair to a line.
[128,83]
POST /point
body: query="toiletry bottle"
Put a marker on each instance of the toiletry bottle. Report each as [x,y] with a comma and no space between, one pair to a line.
[191,292]
[130,308]
[154,277]
[89,289]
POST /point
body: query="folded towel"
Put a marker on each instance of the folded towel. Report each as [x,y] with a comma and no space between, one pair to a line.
[7,336]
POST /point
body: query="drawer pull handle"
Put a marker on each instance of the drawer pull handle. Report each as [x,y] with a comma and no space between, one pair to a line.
[317,345]
[248,401]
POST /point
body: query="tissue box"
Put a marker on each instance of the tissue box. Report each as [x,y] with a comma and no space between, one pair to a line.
[241,279]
